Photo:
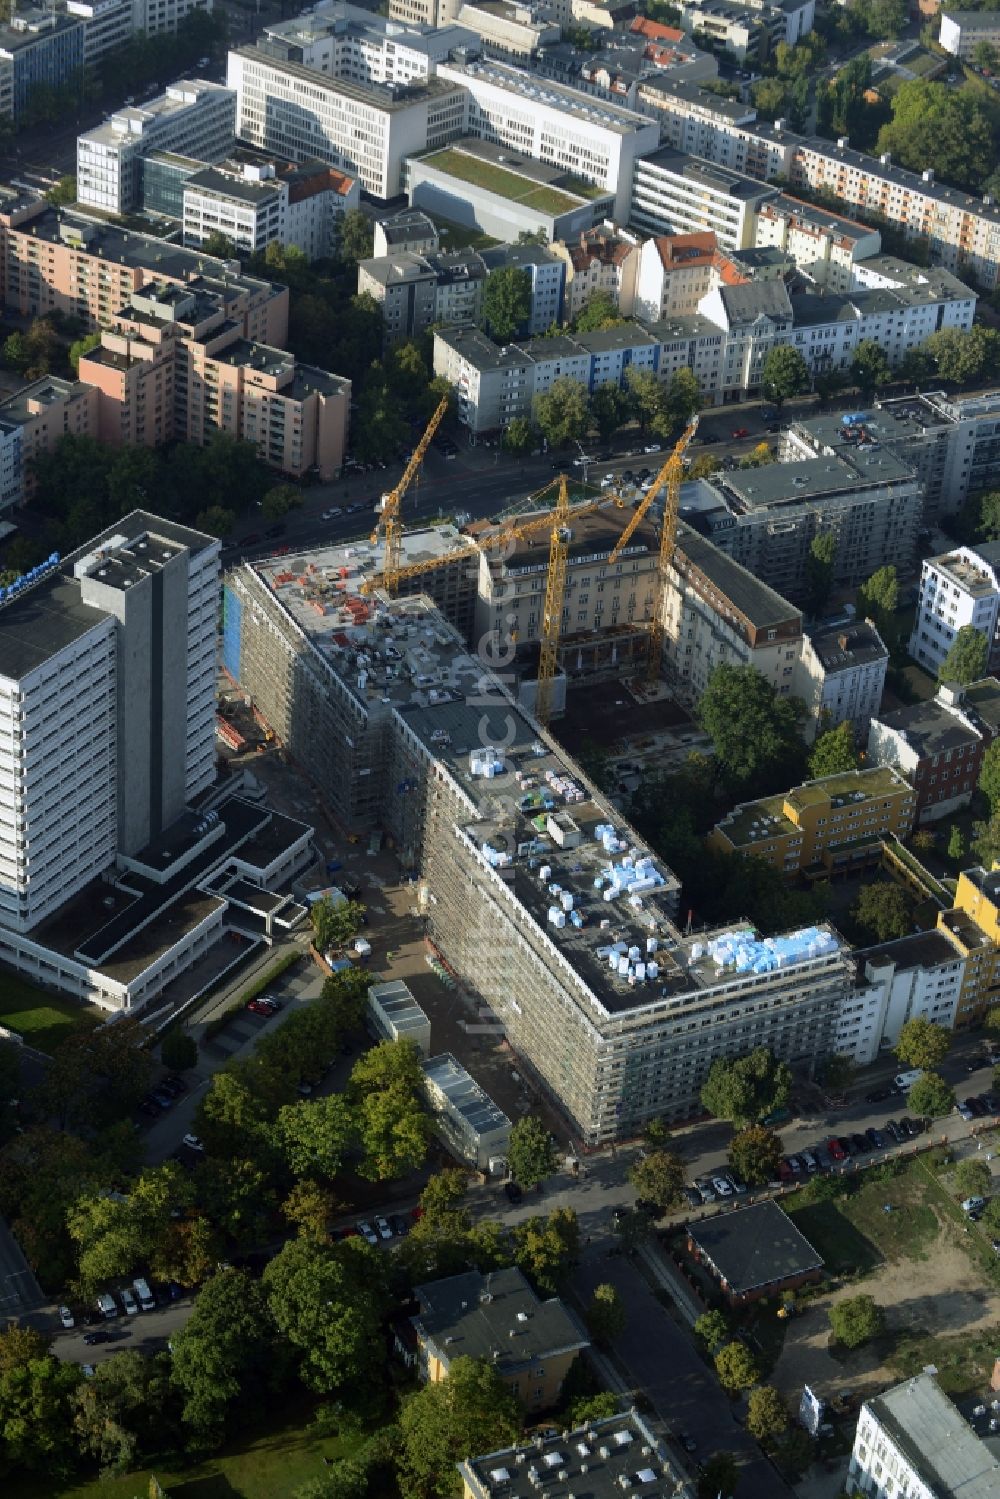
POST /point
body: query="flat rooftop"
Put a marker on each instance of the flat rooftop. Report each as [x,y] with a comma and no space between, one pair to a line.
[760,605]
[387,97]
[576,868]
[133,120]
[621,1455]
[496,1318]
[801,479]
[706,173]
[509,175]
[754,822]
[916,950]
[930,727]
[936,1440]
[23,405]
[464,1095]
[599,113]
[977,575]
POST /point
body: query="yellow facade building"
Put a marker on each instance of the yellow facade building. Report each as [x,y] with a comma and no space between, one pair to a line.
[974,924]
[833,825]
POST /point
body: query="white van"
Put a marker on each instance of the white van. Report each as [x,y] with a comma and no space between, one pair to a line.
[904,1080]
[107,1306]
[144,1294]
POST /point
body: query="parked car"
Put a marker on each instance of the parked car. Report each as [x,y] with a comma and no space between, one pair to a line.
[398,1225]
[687,1442]
[848,1145]
[739,432]
[259,1008]
[785,1172]
[736,1181]
[893,1130]
[652,447]
[129,1302]
[990,1102]
[809,1161]
[722,1186]
[977,1109]
[876,1137]
[795,1164]
[332,513]
[144,1295]
[175,1086]
[910,1127]
[973,1204]
[706,1190]
[963,1110]
[837,1151]
[368,1233]
[90,1338]
[824,1159]
[66,1317]
[384,1231]
[862,1144]
[192,1142]
[879,1096]
[692,1196]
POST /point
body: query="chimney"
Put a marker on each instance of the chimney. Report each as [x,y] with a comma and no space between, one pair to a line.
[886,158]
[843,141]
[928,174]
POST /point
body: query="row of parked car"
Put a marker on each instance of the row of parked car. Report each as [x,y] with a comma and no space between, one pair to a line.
[393,1227]
[716,1185]
[978,1106]
[128,1300]
[162,1096]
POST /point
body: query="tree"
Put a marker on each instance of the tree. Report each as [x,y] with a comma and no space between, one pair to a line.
[315,1134]
[759,456]
[973,1178]
[531,1153]
[922,1044]
[178,1050]
[546,1249]
[966,661]
[279,500]
[117,1232]
[36,1393]
[328,1301]
[767,1415]
[506,302]
[605,1315]
[711,1329]
[878,599]
[472,1410]
[63,192]
[609,409]
[122,1411]
[599,311]
[956,842]
[785,374]
[870,367]
[735,1366]
[948,130]
[393,1129]
[931,1097]
[754,730]
[346,994]
[819,570]
[81,346]
[220,246]
[232,1120]
[986,840]
[884,910]
[356,240]
[755,1153]
[520,436]
[334,925]
[309,1208]
[989,775]
[991,1216]
[443,1192]
[589,1408]
[658,1178]
[718,1477]
[226,1358]
[561,411]
[856,1320]
[991,1023]
[985,56]
[833,753]
[746,1088]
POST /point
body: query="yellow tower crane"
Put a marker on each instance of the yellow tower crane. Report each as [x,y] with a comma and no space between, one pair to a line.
[670,476]
[390,521]
[555,591]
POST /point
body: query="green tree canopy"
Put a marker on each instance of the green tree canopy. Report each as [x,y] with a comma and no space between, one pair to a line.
[718,1477]
[755,1152]
[599,311]
[736,1367]
[870,366]
[443,1192]
[393,1128]
[36,1401]
[819,570]
[884,910]
[520,436]
[744,1089]
[785,374]
[931,1096]
[605,1315]
[989,775]
[124,1410]
[966,661]
[561,411]
[658,1177]
[956,842]
[356,239]
[856,1320]
[973,1178]
[178,1050]
[335,923]
[767,1414]
[878,599]
[923,1044]
[473,1410]
[546,1249]
[63,192]
[531,1154]
[226,1358]
[315,1134]
[329,1301]
[755,731]
[833,752]
[946,129]
[506,302]
[711,1329]
[609,409]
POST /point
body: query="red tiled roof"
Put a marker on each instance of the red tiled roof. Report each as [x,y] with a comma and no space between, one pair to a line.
[655,30]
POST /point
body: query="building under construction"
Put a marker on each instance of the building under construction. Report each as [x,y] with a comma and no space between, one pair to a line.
[535,892]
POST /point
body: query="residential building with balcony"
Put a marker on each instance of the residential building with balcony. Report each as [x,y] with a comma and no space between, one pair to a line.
[418,291]
[32,421]
[840,676]
[959,589]
[825,246]
[676,193]
[939,744]
[917,977]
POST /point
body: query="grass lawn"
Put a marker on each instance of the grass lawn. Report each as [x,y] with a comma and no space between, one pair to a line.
[43,1019]
[499,180]
[463,236]
[831,1232]
[271,1464]
[964,1362]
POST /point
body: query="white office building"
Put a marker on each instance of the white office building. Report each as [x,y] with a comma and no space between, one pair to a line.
[155,17]
[107,24]
[913,1441]
[959,588]
[367,130]
[962,30]
[675,193]
[345,41]
[192,118]
[255,203]
[467,1119]
[593,139]
[918,977]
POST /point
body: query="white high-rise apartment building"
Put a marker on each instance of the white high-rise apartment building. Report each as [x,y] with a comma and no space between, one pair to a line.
[960,588]
[913,1441]
[107,707]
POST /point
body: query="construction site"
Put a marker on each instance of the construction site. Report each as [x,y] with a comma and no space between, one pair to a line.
[531,888]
